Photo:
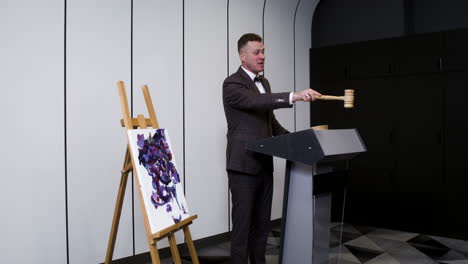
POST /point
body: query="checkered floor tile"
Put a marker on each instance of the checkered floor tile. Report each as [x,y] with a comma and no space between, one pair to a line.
[362,244]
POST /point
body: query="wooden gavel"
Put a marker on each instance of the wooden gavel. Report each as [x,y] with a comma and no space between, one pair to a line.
[348,98]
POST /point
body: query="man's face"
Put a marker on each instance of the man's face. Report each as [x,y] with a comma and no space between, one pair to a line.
[252,56]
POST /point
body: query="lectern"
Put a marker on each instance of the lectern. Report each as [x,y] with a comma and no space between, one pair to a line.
[305,236]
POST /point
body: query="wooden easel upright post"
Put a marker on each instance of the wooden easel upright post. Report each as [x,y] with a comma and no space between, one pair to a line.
[129,164]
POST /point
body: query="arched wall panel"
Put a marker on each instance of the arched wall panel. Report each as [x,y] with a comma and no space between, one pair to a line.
[302,42]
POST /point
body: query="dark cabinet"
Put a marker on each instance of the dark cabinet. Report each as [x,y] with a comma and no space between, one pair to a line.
[329,63]
[417,54]
[417,117]
[456,132]
[400,121]
[372,117]
[370,59]
[456,51]
[336,115]
[410,95]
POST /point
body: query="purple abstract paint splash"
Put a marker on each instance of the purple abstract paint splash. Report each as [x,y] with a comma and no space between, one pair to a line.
[154,154]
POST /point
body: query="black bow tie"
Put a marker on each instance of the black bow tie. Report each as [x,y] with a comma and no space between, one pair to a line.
[258,78]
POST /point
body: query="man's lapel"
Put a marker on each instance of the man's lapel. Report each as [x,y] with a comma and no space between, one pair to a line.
[266,85]
[248,81]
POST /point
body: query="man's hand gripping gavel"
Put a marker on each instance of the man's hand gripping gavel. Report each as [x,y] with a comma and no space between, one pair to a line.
[309,95]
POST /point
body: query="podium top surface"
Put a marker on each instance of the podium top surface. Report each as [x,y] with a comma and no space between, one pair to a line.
[311,146]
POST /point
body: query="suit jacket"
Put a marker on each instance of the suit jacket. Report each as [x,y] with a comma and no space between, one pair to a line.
[249,116]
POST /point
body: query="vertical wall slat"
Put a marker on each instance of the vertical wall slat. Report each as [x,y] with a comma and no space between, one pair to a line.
[98,55]
[279,69]
[245,16]
[205,125]
[32,196]
[158,62]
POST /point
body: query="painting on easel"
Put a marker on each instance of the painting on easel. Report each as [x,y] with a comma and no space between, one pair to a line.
[159,179]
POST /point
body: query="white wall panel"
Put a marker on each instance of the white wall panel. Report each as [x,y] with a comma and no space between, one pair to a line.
[98,55]
[303,29]
[158,62]
[32,193]
[279,69]
[205,134]
[186,91]
[245,16]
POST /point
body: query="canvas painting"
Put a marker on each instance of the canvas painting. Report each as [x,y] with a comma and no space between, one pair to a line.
[158,176]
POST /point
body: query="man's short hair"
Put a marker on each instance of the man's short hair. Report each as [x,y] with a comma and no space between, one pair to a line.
[246,38]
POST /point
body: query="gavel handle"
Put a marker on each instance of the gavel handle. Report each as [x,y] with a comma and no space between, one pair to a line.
[330,97]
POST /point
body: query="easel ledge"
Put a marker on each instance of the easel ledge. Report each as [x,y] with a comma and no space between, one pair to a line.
[166,231]
[129,164]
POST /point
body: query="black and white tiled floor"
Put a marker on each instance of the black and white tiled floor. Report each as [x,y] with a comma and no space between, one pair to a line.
[362,245]
[375,245]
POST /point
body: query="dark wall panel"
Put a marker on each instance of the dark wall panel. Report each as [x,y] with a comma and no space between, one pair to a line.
[436,15]
[344,21]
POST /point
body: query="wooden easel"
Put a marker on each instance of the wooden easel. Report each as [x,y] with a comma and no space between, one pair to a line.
[129,164]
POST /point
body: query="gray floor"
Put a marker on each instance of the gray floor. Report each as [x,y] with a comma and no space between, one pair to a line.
[361,244]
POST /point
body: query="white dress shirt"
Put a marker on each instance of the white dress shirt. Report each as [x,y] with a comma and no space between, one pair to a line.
[259,85]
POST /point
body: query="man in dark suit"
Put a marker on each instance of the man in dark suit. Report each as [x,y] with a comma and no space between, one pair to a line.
[248,105]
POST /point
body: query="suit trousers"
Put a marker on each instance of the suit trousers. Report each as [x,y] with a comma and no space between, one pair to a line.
[251,215]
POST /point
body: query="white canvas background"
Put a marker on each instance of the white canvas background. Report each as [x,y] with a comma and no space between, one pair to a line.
[158,217]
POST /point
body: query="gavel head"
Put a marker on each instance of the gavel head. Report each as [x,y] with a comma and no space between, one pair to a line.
[349,98]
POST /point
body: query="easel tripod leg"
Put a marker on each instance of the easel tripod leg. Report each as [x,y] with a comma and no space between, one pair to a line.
[118,209]
[154,253]
[174,249]
[190,245]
